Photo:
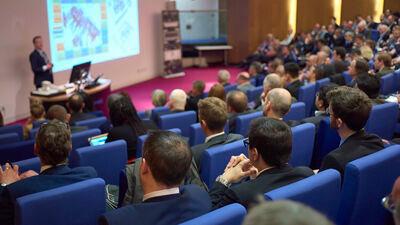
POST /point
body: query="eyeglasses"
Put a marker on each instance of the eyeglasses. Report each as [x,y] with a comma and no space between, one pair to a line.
[388,203]
[246,142]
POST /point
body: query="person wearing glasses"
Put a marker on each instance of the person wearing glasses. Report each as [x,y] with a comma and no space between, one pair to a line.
[269,149]
[53,144]
[392,201]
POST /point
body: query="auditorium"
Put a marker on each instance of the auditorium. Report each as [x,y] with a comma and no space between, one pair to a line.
[200,112]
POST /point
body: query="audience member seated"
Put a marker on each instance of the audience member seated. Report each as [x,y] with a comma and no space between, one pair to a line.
[53,144]
[89,105]
[37,114]
[217,90]
[166,160]
[243,82]
[58,112]
[370,85]
[256,70]
[223,77]
[271,81]
[339,60]
[195,95]
[349,110]
[285,213]
[75,106]
[177,101]
[357,66]
[237,105]
[158,98]
[126,122]
[383,62]
[269,149]
[277,105]
[291,78]
[213,117]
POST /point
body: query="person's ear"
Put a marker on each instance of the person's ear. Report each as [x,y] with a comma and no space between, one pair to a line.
[339,122]
[253,154]
[67,118]
[144,168]
[203,124]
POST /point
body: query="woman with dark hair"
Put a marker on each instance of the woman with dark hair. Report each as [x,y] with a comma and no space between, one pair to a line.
[126,122]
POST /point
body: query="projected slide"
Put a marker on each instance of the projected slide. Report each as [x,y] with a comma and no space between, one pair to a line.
[92,30]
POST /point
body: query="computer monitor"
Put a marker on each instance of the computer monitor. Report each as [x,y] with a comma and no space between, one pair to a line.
[78,70]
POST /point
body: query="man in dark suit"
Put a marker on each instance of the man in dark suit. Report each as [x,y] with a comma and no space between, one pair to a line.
[292,80]
[237,105]
[212,118]
[58,112]
[339,60]
[370,85]
[166,160]
[40,63]
[349,110]
[53,144]
[277,105]
[195,95]
[76,105]
[269,149]
[357,67]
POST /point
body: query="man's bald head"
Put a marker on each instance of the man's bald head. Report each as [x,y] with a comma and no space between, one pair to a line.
[278,102]
[321,57]
[237,101]
[58,112]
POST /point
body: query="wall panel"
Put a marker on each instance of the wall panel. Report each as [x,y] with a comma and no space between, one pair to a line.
[352,8]
[310,12]
[393,5]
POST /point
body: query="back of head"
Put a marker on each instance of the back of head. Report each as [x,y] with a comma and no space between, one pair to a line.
[280,100]
[237,101]
[341,52]
[361,65]
[272,81]
[245,76]
[292,69]
[224,76]
[57,112]
[75,103]
[217,90]
[323,92]
[257,67]
[37,111]
[53,143]
[369,84]
[322,57]
[158,98]
[273,140]
[199,86]
[168,156]
[284,213]
[214,112]
[351,105]
[177,99]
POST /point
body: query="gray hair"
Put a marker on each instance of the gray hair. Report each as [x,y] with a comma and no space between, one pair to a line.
[177,99]
[284,213]
[280,100]
[158,97]
[224,76]
[272,81]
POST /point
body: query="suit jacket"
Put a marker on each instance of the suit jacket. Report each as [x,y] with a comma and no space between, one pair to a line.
[316,120]
[49,179]
[294,87]
[199,149]
[75,117]
[191,103]
[37,62]
[384,72]
[356,146]
[246,192]
[191,202]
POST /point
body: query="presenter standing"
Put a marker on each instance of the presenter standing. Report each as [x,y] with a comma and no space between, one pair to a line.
[40,63]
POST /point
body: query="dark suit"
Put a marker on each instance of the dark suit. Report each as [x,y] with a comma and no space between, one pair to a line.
[37,63]
[246,192]
[356,146]
[191,103]
[75,117]
[49,179]
[191,202]
[199,149]
[294,87]
[316,120]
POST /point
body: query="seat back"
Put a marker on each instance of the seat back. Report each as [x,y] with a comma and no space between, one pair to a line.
[396,84]
[216,158]
[254,93]
[375,35]
[181,120]
[142,115]
[108,159]
[366,181]
[38,123]
[382,120]
[320,191]
[29,164]
[16,151]
[9,138]
[230,87]
[347,77]
[242,122]
[76,204]
[307,95]
[327,140]
[17,128]
[232,214]
[297,112]
[158,110]
[142,138]
[387,84]
[98,122]
[97,113]
[33,132]
[81,139]
[320,83]
[303,137]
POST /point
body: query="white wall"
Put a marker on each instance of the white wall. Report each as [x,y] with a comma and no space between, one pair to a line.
[20,20]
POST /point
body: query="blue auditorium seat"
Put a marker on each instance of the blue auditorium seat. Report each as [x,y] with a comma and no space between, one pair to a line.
[230,87]
[33,132]
[347,77]
[141,139]
[197,135]
[327,140]
[382,120]
[396,83]
[216,158]
[17,128]
[307,95]
[254,93]
[387,84]
[9,138]
[98,113]
[303,137]
[375,35]
[29,164]
[320,191]
[181,120]
[232,214]
[108,159]
[297,112]
[99,122]
[158,110]
[366,181]
[320,83]
[242,122]
[81,139]
[16,151]
[142,115]
[77,204]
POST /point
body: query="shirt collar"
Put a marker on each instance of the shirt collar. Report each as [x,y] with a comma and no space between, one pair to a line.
[46,167]
[170,191]
[212,136]
[342,140]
